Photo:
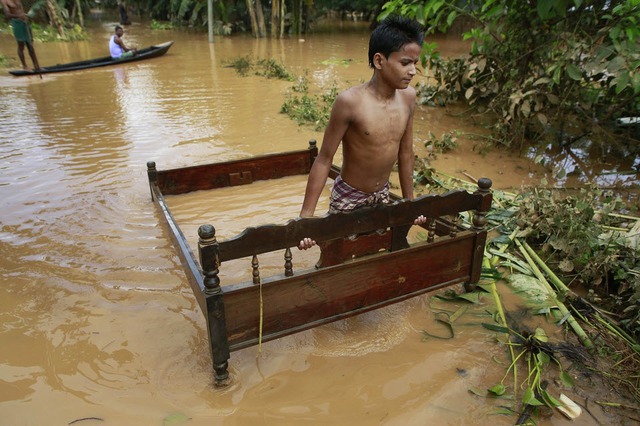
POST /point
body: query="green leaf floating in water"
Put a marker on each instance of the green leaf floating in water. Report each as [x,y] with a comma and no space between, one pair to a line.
[175,419]
[528,398]
[495,327]
[540,335]
[531,289]
[336,61]
[498,390]
[566,379]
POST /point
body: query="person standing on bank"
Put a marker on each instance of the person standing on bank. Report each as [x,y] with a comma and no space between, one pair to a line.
[374,122]
[117,48]
[124,14]
[21,31]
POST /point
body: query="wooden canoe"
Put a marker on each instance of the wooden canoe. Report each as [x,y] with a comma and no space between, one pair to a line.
[146,53]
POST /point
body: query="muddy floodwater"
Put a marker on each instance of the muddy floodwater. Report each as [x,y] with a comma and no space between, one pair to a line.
[98,324]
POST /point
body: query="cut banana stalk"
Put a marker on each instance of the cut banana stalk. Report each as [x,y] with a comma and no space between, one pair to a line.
[569,408]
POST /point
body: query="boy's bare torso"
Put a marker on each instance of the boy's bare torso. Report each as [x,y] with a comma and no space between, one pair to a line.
[14,6]
[371,143]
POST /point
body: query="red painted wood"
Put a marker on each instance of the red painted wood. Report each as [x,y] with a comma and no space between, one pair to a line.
[266,238]
[337,251]
[239,172]
[320,296]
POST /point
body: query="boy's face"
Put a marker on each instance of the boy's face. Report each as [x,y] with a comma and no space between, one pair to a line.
[400,68]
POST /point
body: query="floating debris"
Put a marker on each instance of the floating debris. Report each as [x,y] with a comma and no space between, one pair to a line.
[569,408]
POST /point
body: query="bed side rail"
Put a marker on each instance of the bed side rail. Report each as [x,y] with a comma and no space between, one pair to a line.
[232,173]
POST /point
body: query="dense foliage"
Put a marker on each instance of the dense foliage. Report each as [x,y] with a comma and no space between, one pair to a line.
[589,245]
[545,71]
[62,19]
[301,104]
[293,16]
[274,17]
[552,71]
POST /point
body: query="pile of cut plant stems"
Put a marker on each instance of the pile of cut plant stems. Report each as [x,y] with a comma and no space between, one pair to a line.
[599,335]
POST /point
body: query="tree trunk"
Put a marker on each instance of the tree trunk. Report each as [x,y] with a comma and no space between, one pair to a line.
[80,15]
[252,15]
[304,17]
[295,16]
[282,13]
[54,17]
[275,18]
[260,17]
[301,17]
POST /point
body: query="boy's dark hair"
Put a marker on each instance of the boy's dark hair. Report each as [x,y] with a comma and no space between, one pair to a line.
[118,27]
[392,34]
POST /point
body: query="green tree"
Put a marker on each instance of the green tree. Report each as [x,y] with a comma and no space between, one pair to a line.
[545,70]
[240,14]
[275,18]
[65,16]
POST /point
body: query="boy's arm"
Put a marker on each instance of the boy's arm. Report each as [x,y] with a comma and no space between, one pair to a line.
[406,157]
[336,128]
[317,178]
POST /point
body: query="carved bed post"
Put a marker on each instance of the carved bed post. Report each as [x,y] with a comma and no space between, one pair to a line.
[479,217]
[288,264]
[152,174]
[216,323]
[313,152]
[479,226]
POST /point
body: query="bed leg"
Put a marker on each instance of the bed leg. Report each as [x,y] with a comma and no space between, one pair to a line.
[152,174]
[480,227]
[216,322]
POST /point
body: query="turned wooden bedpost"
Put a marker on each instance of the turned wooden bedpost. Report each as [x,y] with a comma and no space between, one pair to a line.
[152,174]
[288,264]
[255,269]
[479,217]
[313,153]
[479,224]
[216,323]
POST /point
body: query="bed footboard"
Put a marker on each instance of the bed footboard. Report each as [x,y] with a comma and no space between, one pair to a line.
[371,266]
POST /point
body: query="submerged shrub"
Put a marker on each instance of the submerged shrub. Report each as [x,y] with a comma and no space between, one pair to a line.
[156,25]
[242,65]
[271,68]
[588,246]
[309,109]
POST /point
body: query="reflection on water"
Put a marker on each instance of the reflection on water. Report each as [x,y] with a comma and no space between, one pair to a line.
[96,316]
[574,166]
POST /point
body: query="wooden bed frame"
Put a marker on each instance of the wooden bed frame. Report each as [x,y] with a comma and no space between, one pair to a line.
[366,261]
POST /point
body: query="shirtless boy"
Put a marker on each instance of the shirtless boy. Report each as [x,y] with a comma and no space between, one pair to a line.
[21,30]
[374,122]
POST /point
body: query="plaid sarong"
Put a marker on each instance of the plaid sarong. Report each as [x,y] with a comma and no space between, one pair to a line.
[21,31]
[345,198]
